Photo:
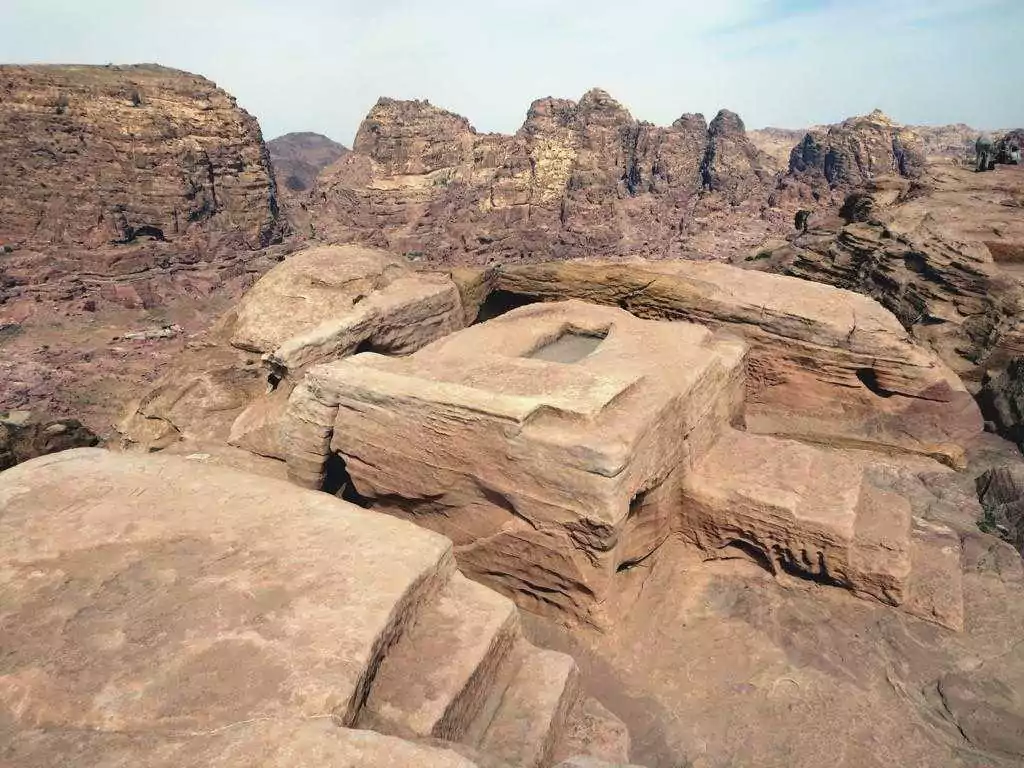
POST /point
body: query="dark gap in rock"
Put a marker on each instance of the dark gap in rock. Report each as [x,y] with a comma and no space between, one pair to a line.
[500,302]
[338,482]
[751,552]
[869,378]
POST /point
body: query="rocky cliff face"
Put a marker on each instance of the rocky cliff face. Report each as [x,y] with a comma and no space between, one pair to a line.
[578,178]
[116,173]
[852,153]
[298,159]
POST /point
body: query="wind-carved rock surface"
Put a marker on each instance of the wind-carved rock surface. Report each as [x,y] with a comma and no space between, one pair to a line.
[127,175]
[852,153]
[946,262]
[578,178]
[561,445]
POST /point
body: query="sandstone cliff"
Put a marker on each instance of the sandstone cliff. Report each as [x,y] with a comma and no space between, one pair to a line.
[578,178]
[118,173]
[852,153]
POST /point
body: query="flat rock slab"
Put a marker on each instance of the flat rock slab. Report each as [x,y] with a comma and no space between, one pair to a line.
[272,744]
[143,592]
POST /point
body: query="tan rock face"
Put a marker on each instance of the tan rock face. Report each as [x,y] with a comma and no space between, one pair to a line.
[320,304]
[539,441]
[323,303]
[560,445]
[578,178]
[825,365]
[126,172]
[247,637]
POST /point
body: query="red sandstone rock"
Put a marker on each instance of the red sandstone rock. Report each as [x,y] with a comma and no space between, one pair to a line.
[578,178]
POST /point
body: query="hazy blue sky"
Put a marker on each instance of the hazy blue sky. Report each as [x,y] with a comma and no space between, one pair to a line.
[320,65]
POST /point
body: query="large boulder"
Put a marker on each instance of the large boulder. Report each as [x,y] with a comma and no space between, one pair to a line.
[320,304]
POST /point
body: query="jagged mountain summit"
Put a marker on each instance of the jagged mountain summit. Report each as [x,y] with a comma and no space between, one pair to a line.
[578,178]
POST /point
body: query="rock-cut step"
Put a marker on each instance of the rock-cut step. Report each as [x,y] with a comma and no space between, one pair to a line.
[524,721]
[436,678]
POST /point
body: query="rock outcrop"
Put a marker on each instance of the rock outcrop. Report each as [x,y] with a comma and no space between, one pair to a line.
[852,153]
[825,365]
[275,621]
[137,175]
[298,158]
[945,263]
[578,178]
[320,304]
[1001,492]
[561,445]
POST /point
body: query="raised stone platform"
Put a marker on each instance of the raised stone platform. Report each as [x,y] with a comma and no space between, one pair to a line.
[817,513]
[826,365]
[545,443]
[560,444]
[171,610]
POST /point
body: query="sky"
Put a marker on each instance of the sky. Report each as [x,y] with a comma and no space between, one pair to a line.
[317,65]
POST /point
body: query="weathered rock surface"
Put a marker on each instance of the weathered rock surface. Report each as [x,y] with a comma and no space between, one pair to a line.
[210,637]
[20,442]
[320,304]
[825,365]
[273,744]
[134,175]
[945,263]
[562,444]
[817,513]
[853,152]
[324,303]
[1001,492]
[298,158]
[561,433]
[578,178]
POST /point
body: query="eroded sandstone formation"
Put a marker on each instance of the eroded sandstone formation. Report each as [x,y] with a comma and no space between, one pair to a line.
[562,444]
[278,619]
[946,263]
[825,365]
[320,304]
[578,178]
[853,152]
[132,175]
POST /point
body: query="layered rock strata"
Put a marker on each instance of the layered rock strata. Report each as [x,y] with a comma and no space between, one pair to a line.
[552,432]
[252,634]
[578,178]
[561,444]
[825,365]
[136,175]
